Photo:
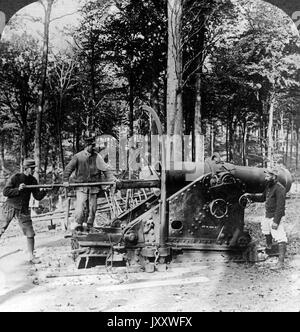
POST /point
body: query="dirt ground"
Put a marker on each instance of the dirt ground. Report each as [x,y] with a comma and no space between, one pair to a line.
[212,284]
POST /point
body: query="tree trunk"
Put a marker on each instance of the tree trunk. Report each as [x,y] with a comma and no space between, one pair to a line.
[91,117]
[248,134]
[244,142]
[93,76]
[74,141]
[270,154]
[231,130]
[297,149]
[54,163]
[212,139]
[154,100]
[231,145]
[261,139]
[198,45]
[236,142]
[40,109]
[227,142]
[78,135]
[46,160]
[276,143]
[292,144]
[287,145]
[24,143]
[281,134]
[2,158]
[61,150]
[198,118]
[131,105]
[174,94]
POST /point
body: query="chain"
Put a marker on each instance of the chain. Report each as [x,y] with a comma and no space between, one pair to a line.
[157,255]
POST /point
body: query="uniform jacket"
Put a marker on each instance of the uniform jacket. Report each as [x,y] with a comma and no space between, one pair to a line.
[274,196]
[87,168]
[20,199]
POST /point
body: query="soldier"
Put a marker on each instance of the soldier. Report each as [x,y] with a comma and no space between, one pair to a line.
[17,204]
[88,166]
[273,223]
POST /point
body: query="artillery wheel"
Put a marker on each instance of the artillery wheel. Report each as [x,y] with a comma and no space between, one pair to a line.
[218,208]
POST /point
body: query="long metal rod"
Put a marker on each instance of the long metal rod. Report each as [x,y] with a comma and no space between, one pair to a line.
[164,218]
[126,184]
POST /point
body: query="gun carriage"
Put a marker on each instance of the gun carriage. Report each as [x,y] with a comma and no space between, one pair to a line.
[205,215]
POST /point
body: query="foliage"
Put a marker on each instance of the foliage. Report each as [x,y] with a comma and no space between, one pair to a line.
[245,54]
[19,70]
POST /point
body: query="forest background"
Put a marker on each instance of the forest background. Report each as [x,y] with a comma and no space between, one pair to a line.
[228,70]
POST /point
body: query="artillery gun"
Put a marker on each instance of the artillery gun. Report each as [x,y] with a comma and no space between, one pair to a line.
[206,215]
[202,216]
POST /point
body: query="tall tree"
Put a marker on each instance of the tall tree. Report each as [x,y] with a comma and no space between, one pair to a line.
[174,74]
[47,5]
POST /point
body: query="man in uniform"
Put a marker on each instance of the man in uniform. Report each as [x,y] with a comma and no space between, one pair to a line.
[88,166]
[273,223]
[17,204]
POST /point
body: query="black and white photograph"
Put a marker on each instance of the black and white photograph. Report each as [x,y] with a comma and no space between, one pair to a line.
[149,158]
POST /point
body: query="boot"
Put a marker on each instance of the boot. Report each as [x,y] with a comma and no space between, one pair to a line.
[269,241]
[282,252]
